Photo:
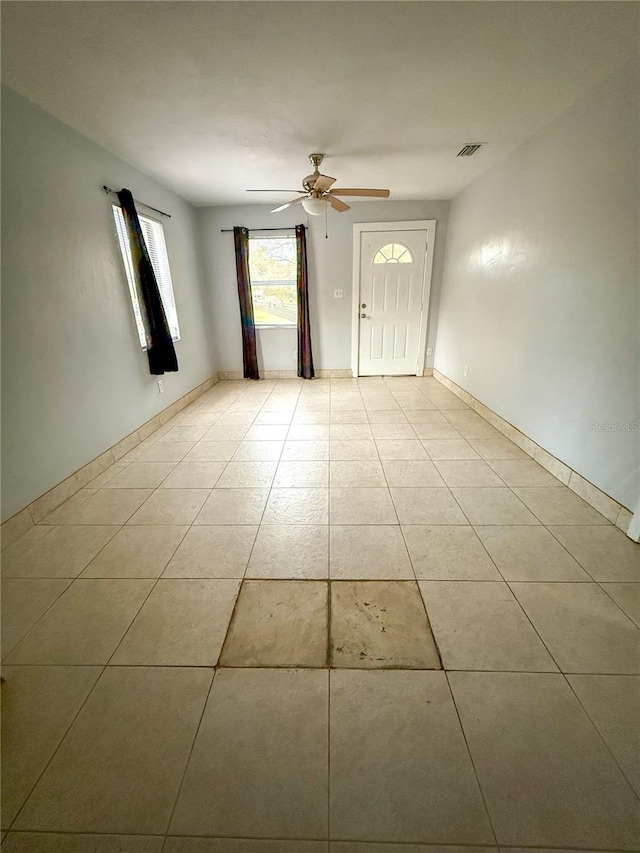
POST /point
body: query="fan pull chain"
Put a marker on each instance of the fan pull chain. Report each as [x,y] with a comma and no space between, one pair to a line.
[326,219]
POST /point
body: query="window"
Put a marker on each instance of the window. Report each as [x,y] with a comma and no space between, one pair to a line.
[272,268]
[157,248]
[393,253]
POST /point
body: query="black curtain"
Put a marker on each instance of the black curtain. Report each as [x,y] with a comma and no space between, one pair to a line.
[249,351]
[160,350]
[305,356]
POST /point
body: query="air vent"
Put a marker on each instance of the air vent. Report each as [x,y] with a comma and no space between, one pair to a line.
[469,149]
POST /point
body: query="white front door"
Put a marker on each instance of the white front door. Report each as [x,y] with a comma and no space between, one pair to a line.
[391,308]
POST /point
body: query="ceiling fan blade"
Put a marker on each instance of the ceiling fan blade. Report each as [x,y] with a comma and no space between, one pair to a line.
[287,204]
[361,191]
[274,191]
[323,182]
[336,204]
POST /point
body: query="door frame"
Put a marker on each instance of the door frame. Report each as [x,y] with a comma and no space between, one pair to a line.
[360,228]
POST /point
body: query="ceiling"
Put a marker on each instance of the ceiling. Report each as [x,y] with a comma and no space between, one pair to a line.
[211,98]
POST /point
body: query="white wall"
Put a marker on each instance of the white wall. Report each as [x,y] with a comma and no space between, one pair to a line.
[330,267]
[74,379]
[540,296]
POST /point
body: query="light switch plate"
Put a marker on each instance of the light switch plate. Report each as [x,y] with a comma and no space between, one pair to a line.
[338,294]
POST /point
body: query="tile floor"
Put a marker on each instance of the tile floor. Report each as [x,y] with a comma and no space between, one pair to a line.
[332,615]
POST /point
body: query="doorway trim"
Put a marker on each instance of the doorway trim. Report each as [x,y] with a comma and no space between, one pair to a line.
[359,228]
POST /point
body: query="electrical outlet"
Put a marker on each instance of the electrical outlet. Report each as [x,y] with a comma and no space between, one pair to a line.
[466,370]
[338,294]
[160,386]
[428,350]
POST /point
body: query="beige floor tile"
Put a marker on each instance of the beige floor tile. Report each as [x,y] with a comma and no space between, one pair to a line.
[65,513]
[559,506]
[605,552]
[267,432]
[427,416]
[393,431]
[347,416]
[247,475]
[493,506]
[213,551]
[233,506]
[380,625]
[387,416]
[448,552]
[497,448]
[368,552]
[427,506]
[38,705]
[400,449]
[58,842]
[414,473]
[613,704]
[106,506]
[188,432]
[171,506]
[400,769]
[141,475]
[627,597]
[227,432]
[349,432]
[352,449]
[480,625]
[212,451]
[84,625]
[137,551]
[529,736]
[294,475]
[269,727]
[117,770]
[376,847]
[362,506]
[474,473]
[297,506]
[300,418]
[437,431]
[523,472]
[194,475]
[351,474]
[290,551]
[24,543]
[308,432]
[182,623]
[278,623]
[582,628]
[63,553]
[258,451]
[276,418]
[24,601]
[449,448]
[246,418]
[166,451]
[529,554]
[305,451]
[245,845]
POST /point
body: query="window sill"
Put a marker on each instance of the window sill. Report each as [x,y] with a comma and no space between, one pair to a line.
[275,326]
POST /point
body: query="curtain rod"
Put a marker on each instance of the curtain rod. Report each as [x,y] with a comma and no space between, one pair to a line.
[288,228]
[115,192]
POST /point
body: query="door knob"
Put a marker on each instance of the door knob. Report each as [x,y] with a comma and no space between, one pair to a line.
[362,316]
[363,305]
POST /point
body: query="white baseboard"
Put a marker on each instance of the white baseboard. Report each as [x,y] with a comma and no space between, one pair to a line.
[607,506]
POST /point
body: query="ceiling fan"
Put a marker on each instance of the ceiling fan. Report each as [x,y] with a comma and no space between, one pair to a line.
[318,192]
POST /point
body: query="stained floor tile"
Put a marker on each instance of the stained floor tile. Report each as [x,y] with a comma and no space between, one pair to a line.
[117,770]
[381,625]
[528,735]
[400,769]
[278,623]
[260,762]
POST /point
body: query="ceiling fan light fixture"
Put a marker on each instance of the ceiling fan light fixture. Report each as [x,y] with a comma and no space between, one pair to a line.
[314,206]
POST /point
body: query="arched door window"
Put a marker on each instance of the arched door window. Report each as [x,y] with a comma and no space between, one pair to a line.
[393,253]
